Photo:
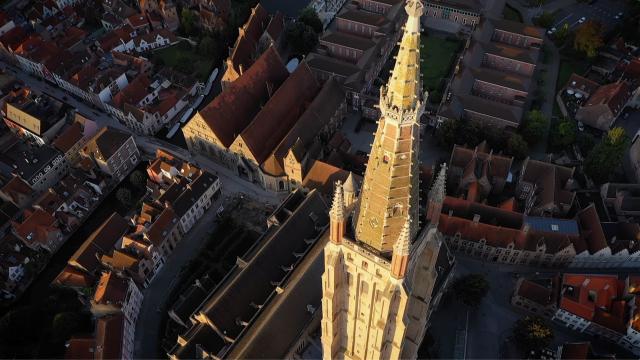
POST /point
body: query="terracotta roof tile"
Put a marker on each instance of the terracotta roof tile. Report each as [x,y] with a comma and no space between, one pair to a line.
[111,289]
[69,137]
[615,96]
[72,277]
[109,337]
[591,229]
[280,113]
[232,110]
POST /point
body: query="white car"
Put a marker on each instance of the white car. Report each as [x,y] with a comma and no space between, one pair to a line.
[553,30]
[582,19]
[580,126]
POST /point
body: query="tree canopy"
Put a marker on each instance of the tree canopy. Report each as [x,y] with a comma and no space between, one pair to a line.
[535,126]
[588,38]
[301,37]
[188,21]
[606,156]
[517,146]
[563,134]
[471,289]
[532,333]
[308,16]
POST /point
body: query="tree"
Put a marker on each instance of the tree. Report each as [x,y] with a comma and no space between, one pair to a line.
[301,37]
[532,333]
[588,38]
[188,21]
[124,196]
[138,179]
[184,64]
[208,46]
[545,19]
[517,146]
[535,126]
[471,289]
[563,134]
[606,156]
[308,16]
[585,142]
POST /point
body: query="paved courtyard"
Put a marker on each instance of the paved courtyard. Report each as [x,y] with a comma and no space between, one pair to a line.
[490,325]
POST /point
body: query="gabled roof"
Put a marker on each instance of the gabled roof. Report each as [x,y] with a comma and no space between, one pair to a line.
[518,28]
[101,241]
[280,113]
[464,158]
[111,290]
[106,142]
[232,110]
[591,229]
[541,291]
[247,43]
[109,337]
[72,277]
[614,96]
[322,177]
[80,348]
[161,227]
[15,188]
[37,226]
[68,138]
[581,83]
[552,181]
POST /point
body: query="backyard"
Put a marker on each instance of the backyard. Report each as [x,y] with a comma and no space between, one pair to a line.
[438,55]
[568,67]
[186,59]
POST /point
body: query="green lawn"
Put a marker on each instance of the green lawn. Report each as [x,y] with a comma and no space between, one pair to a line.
[438,55]
[186,59]
[568,67]
[510,13]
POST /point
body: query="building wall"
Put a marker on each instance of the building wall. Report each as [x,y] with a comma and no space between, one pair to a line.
[510,255]
[493,90]
[506,64]
[463,17]
[571,321]
[123,161]
[518,40]
[356,28]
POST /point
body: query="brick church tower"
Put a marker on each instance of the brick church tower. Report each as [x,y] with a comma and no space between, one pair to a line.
[383,270]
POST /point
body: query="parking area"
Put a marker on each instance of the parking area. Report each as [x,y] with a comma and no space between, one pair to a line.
[629,120]
[606,12]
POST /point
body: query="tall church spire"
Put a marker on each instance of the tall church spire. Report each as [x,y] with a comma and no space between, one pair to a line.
[390,189]
[436,196]
[337,216]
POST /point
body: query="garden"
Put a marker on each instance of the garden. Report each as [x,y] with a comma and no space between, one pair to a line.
[439,56]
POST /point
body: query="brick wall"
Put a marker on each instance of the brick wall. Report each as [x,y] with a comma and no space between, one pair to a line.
[516,39]
[505,64]
[497,91]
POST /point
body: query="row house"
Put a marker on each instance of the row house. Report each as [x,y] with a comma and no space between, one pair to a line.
[478,172]
[115,297]
[465,13]
[147,105]
[39,230]
[492,84]
[74,137]
[621,199]
[299,114]
[17,192]
[39,166]
[504,236]
[605,105]
[605,306]
[545,188]
[601,305]
[15,257]
[114,151]
[606,244]
[214,14]
[254,37]
[165,10]
[37,117]
[356,44]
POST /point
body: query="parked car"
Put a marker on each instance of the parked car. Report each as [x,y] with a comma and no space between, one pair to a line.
[580,126]
[582,19]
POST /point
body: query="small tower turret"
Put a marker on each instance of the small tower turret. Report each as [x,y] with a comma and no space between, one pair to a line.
[436,196]
[400,257]
[350,189]
[337,221]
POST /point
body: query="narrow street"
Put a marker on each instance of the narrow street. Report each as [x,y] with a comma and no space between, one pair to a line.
[154,308]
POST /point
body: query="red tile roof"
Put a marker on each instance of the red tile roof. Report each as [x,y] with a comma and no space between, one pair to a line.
[163,224]
[111,289]
[109,337]
[581,83]
[280,113]
[615,96]
[137,89]
[69,137]
[536,292]
[16,188]
[591,229]
[232,110]
[137,20]
[37,227]
[72,277]
[595,298]
[322,176]
[247,42]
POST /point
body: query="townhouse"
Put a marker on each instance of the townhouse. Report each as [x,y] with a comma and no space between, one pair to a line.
[114,151]
[604,106]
